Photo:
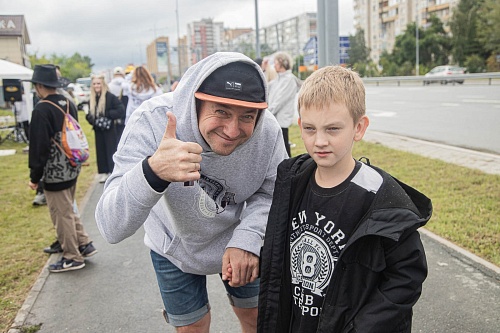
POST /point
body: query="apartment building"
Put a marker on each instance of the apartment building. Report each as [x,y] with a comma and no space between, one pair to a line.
[205,37]
[383,20]
[13,39]
[290,35]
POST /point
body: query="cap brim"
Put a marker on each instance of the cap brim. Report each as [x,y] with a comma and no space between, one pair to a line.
[230,101]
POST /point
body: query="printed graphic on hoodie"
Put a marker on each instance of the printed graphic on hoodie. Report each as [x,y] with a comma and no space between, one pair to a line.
[213,197]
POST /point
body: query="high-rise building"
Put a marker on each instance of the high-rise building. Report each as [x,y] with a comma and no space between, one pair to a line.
[383,20]
[205,37]
[158,58]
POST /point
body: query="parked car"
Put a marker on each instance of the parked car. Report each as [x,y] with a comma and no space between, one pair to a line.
[80,93]
[444,71]
[86,81]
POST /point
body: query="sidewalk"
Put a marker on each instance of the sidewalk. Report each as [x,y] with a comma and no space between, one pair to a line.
[117,290]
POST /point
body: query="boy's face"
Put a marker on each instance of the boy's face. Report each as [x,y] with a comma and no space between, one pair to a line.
[329,134]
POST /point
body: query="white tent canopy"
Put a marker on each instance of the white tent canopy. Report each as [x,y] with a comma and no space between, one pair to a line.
[10,70]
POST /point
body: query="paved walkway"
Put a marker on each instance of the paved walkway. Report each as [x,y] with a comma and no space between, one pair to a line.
[117,291]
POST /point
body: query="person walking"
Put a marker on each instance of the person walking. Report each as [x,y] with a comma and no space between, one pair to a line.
[47,161]
[197,168]
[142,88]
[104,109]
[282,92]
[342,252]
[119,87]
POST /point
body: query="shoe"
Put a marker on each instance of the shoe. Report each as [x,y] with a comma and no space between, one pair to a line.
[103,177]
[87,250]
[39,200]
[64,265]
[53,248]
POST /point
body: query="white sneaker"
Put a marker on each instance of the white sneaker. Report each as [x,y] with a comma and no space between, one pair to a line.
[39,200]
[103,177]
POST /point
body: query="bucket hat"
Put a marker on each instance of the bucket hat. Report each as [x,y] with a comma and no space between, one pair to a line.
[46,75]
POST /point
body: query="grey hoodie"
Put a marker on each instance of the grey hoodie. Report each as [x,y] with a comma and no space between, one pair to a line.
[192,225]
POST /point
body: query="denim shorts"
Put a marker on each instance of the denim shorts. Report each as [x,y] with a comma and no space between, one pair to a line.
[185,295]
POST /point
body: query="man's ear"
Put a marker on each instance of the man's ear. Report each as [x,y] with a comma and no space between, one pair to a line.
[361,127]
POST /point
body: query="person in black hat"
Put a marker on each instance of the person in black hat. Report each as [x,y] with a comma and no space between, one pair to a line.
[197,167]
[47,161]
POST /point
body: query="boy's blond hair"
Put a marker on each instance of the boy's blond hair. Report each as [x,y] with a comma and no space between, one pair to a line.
[334,84]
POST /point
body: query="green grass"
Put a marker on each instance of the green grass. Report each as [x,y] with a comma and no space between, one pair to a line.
[24,229]
[466,210]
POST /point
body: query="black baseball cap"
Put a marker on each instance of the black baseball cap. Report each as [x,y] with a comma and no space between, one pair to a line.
[236,83]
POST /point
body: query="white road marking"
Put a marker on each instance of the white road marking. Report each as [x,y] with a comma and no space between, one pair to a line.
[482,101]
[450,104]
[380,113]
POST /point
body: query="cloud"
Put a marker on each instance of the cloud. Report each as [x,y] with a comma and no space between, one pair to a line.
[115,33]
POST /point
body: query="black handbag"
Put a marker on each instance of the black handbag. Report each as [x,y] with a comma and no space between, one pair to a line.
[103,123]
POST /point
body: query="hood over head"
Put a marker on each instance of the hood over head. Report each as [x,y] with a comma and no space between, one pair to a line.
[206,80]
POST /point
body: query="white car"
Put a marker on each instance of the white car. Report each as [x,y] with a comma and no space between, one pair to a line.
[444,71]
[81,94]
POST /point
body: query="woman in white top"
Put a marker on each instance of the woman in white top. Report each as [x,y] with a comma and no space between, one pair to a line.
[282,92]
[142,88]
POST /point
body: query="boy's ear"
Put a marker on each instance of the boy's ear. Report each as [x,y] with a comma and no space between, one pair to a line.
[361,127]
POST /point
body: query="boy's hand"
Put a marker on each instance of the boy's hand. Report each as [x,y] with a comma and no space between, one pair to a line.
[174,160]
[33,186]
[239,267]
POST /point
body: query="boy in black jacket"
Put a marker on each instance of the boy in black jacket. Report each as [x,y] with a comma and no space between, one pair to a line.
[47,161]
[341,251]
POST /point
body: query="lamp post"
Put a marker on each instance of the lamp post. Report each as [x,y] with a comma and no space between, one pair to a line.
[257,39]
[416,45]
[178,37]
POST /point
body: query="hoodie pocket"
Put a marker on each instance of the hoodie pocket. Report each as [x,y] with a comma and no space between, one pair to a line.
[170,244]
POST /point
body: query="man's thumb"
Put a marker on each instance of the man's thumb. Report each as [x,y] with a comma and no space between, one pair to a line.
[171,125]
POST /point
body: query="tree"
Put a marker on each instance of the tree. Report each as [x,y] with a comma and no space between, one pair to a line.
[359,55]
[434,48]
[358,52]
[72,68]
[464,28]
[489,31]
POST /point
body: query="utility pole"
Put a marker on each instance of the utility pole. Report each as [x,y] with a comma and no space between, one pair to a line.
[257,38]
[178,37]
[328,32]
[416,45]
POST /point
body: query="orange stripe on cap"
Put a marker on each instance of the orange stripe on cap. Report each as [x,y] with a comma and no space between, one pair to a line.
[230,101]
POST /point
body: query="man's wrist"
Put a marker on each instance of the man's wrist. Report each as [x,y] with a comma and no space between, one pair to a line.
[156,183]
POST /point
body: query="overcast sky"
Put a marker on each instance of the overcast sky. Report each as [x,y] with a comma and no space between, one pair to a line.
[115,33]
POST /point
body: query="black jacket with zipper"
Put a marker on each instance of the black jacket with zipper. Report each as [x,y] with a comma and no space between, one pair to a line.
[379,274]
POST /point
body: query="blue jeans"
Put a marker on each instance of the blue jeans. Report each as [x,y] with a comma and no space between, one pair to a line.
[185,295]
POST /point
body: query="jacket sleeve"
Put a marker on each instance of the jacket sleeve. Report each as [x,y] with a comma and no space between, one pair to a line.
[249,234]
[128,198]
[389,308]
[39,145]
[116,110]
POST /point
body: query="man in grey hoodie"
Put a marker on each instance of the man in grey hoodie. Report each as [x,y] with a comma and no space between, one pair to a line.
[197,168]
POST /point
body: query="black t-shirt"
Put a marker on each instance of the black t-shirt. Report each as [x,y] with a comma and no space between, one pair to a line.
[326,219]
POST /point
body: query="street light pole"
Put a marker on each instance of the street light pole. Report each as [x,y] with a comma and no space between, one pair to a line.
[257,39]
[416,45]
[178,37]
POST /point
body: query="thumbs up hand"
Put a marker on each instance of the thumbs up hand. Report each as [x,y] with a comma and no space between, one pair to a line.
[174,160]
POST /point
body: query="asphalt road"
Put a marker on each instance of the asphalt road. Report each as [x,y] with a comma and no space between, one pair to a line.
[460,115]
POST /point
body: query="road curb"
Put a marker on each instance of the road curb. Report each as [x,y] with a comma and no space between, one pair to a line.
[30,300]
[488,265]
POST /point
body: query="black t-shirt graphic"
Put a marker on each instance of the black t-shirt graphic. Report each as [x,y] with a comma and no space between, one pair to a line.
[326,219]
